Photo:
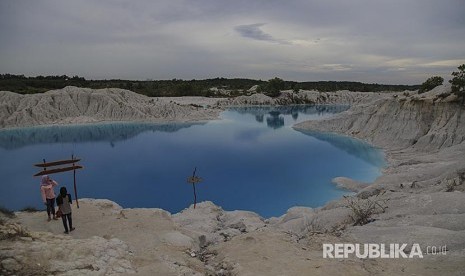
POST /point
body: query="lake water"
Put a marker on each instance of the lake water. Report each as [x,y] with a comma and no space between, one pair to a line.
[252,160]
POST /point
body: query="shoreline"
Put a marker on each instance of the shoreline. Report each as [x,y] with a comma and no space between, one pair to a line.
[184,123]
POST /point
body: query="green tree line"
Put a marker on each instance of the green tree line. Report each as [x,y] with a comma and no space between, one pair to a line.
[178,87]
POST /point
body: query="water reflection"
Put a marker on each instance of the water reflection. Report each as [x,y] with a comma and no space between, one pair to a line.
[275,115]
[106,132]
[354,147]
[274,120]
[293,110]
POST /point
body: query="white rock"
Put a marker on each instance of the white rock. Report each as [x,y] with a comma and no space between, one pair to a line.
[176,238]
[10,264]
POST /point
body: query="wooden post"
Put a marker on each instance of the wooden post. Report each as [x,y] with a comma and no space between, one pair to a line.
[74,178]
[193,180]
[195,195]
[193,186]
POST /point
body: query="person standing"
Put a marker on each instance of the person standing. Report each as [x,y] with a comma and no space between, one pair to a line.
[47,186]
[64,206]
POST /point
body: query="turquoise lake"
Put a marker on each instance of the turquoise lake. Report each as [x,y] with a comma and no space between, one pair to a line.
[252,159]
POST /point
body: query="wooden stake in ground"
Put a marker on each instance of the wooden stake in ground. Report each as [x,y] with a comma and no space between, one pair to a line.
[194,180]
[74,178]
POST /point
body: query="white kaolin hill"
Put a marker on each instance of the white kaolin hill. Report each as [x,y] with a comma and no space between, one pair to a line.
[83,105]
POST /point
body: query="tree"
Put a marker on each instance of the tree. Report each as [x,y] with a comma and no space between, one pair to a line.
[185,89]
[458,82]
[274,87]
[129,85]
[296,88]
[430,83]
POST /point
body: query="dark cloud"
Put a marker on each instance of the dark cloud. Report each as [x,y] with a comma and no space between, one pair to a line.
[253,31]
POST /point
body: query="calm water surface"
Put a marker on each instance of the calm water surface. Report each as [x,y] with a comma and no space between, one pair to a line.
[250,160]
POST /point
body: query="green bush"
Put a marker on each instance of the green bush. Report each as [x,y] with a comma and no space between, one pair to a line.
[458,82]
[274,87]
[430,83]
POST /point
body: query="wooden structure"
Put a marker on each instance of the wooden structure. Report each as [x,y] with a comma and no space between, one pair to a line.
[70,165]
[194,180]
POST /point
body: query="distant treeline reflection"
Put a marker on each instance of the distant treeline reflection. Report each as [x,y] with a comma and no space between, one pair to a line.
[273,117]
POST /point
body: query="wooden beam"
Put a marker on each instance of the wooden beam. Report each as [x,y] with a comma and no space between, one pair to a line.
[58,170]
[57,163]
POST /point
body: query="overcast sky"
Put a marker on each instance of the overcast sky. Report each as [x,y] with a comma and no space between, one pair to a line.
[375,41]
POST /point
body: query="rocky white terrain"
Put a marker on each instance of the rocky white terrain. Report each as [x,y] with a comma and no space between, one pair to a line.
[73,105]
[306,97]
[420,199]
[423,186]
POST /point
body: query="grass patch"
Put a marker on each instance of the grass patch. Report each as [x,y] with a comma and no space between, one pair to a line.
[30,209]
[7,212]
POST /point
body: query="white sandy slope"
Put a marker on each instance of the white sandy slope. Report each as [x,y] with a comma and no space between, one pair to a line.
[73,105]
[423,136]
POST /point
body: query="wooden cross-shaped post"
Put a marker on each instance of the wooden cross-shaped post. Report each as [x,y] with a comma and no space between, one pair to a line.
[73,167]
[194,180]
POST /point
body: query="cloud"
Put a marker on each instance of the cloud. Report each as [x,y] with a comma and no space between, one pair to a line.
[253,31]
[302,40]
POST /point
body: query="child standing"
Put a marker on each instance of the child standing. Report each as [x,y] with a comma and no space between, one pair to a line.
[64,205]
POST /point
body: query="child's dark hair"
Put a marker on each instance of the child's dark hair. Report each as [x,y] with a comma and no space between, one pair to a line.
[63,191]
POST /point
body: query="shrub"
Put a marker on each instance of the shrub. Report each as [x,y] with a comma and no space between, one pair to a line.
[363,209]
[430,83]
